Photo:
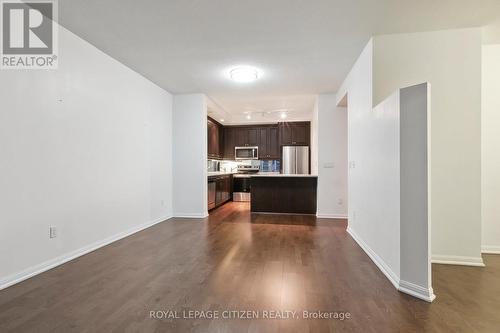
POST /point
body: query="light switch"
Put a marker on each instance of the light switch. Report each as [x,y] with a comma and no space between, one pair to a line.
[52,232]
[329,165]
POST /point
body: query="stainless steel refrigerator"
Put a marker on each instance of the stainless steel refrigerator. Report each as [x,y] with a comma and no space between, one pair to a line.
[295,159]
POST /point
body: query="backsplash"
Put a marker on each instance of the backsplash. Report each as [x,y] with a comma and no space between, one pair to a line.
[231,166]
[269,166]
[213,165]
[228,166]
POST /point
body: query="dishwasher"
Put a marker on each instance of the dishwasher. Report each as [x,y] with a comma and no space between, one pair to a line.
[241,188]
[212,188]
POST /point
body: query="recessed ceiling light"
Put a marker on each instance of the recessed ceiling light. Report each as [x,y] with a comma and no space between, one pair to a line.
[222,120]
[244,74]
[249,117]
[283,115]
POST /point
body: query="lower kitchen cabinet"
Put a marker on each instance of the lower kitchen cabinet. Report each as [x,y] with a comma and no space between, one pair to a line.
[281,194]
[212,192]
[219,190]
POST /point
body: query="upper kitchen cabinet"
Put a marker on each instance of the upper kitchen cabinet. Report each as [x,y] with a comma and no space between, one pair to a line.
[268,138]
[229,142]
[269,147]
[241,137]
[295,133]
[263,142]
[273,147]
[214,139]
[246,136]
[253,136]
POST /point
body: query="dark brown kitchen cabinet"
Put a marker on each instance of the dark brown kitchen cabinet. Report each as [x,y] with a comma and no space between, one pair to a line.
[241,135]
[273,147]
[253,138]
[295,133]
[295,195]
[269,142]
[263,142]
[223,189]
[246,136]
[229,142]
[269,138]
[226,186]
[214,139]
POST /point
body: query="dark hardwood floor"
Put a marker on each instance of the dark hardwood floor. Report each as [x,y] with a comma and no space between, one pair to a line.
[234,260]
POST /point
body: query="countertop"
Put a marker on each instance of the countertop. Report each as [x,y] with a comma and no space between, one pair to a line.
[268,174]
[219,173]
[272,174]
[258,174]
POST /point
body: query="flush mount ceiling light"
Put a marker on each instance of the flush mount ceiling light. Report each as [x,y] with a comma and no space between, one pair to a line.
[244,74]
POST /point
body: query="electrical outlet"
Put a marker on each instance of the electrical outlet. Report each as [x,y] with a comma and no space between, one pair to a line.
[52,232]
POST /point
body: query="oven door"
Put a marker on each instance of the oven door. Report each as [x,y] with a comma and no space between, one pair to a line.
[246,153]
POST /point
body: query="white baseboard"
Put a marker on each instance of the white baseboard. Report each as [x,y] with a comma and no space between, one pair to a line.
[426,294]
[331,216]
[376,259]
[49,264]
[191,215]
[490,249]
[457,260]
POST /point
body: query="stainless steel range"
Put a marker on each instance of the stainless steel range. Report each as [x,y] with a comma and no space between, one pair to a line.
[241,185]
[252,166]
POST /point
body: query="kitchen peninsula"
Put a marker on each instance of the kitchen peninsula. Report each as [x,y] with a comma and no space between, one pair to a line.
[272,192]
[281,193]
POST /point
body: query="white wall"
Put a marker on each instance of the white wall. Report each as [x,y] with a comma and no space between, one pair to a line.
[373,169]
[358,87]
[491,33]
[79,150]
[491,148]
[161,156]
[377,213]
[332,158]
[373,172]
[190,151]
[414,114]
[451,62]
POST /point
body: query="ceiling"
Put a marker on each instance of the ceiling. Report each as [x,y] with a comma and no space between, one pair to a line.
[302,47]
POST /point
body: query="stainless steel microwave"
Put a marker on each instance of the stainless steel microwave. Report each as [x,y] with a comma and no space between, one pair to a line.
[246,153]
